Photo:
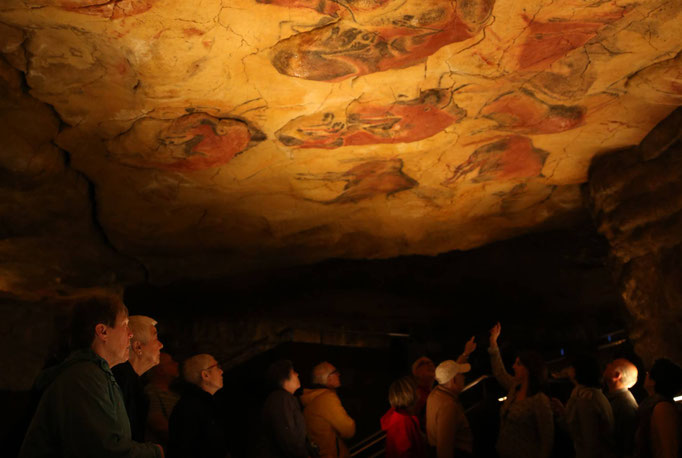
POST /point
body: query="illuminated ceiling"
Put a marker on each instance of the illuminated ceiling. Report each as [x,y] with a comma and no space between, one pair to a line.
[211,137]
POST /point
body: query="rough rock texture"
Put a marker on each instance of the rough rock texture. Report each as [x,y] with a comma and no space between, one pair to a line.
[222,136]
[50,244]
[636,198]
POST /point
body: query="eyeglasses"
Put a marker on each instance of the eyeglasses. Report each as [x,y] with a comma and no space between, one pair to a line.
[212,366]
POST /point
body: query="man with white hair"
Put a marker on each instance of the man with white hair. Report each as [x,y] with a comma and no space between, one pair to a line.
[326,419]
[621,375]
[81,412]
[195,427]
[144,353]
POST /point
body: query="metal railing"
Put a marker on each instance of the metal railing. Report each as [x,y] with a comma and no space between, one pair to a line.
[380,435]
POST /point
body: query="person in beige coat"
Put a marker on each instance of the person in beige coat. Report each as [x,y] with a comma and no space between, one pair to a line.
[327,421]
[447,428]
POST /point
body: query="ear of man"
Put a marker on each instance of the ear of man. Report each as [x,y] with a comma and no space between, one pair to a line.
[101,331]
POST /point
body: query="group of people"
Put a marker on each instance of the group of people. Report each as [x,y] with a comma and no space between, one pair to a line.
[94,403]
[317,430]
[425,420]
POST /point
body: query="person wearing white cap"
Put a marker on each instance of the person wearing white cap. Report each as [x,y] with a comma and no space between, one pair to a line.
[447,428]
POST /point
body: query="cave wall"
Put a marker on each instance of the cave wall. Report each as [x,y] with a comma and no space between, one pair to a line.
[635,196]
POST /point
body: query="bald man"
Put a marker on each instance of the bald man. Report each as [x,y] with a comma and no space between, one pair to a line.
[621,375]
[327,421]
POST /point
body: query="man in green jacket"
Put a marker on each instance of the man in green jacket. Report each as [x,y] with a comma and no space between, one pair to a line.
[81,412]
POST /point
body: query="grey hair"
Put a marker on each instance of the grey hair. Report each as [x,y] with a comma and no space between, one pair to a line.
[321,372]
[140,326]
[194,365]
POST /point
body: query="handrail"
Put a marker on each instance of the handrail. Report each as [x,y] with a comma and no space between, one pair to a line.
[367,439]
[376,441]
[475,382]
[381,435]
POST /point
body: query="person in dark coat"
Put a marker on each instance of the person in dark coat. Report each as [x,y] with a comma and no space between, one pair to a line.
[196,428]
[81,412]
[284,430]
[144,353]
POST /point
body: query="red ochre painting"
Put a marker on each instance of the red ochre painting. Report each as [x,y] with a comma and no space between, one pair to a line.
[549,38]
[346,49]
[510,158]
[369,124]
[369,179]
[193,142]
[113,9]
[329,7]
[521,111]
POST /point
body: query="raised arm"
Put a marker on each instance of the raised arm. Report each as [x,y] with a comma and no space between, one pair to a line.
[469,348]
[500,373]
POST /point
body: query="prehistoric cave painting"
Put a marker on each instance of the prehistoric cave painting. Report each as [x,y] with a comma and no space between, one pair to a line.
[659,83]
[369,179]
[522,196]
[563,27]
[112,9]
[192,142]
[346,49]
[369,124]
[510,158]
[330,7]
[521,111]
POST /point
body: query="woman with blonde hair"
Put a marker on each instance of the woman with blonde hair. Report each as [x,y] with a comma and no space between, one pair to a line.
[403,435]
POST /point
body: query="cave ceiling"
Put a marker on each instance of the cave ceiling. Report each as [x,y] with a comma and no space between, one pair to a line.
[168,139]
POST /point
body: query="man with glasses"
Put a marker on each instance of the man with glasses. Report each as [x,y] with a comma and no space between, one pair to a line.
[196,427]
[81,412]
[326,419]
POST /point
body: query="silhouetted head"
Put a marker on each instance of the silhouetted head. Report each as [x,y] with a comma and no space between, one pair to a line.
[587,370]
[664,378]
[531,365]
[281,374]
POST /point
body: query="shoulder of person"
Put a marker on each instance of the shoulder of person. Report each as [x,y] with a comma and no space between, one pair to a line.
[665,410]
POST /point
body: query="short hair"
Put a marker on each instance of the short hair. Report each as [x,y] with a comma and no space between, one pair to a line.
[628,371]
[537,370]
[668,377]
[88,313]
[419,362]
[194,365]
[587,370]
[140,327]
[279,372]
[320,373]
[402,394]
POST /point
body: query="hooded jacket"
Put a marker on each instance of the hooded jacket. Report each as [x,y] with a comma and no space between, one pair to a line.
[81,413]
[403,437]
[327,421]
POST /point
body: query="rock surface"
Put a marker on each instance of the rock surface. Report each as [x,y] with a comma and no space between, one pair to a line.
[211,137]
[636,198]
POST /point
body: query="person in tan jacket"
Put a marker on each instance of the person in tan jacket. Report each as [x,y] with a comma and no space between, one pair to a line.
[326,419]
[447,428]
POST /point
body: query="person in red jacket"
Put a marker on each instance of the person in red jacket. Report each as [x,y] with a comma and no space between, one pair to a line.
[404,438]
